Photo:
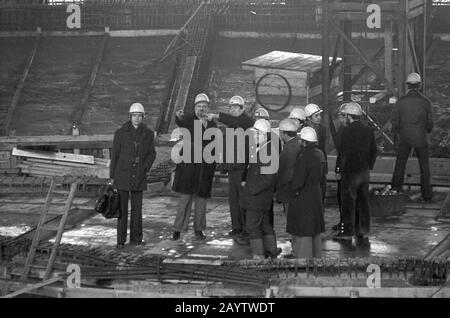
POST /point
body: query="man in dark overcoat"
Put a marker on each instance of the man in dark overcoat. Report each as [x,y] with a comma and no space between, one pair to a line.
[305,220]
[288,157]
[193,180]
[236,118]
[356,157]
[413,121]
[133,154]
[257,198]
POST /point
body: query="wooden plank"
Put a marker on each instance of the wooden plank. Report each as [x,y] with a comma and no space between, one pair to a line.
[412,50]
[18,91]
[31,287]
[62,141]
[79,112]
[59,156]
[185,85]
[36,237]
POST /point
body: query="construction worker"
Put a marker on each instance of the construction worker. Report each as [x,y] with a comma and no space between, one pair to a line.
[413,120]
[133,153]
[342,123]
[261,113]
[291,149]
[193,180]
[356,157]
[299,115]
[237,118]
[314,120]
[305,220]
[258,193]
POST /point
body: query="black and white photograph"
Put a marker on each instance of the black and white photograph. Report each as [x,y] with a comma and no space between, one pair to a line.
[224,156]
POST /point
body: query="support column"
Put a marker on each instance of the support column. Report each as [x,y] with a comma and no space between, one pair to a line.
[347,61]
[388,45]
[325,57]
[402,47]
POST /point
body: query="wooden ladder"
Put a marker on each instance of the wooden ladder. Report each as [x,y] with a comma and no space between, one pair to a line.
[59,229]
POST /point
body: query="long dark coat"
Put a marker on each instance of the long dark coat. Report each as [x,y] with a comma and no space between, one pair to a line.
[194,178]
[128,172]
[305,213]
[288,158]
[259,188]
[413,118]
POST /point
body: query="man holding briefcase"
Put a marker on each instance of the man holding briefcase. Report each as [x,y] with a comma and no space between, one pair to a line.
[133,154]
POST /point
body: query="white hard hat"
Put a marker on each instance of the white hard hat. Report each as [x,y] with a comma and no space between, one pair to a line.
[308,134]
[201,98]
[413,78]
[298,113]
[137,108]
[237,100]
[288,125]
[341,108]
[176,134]
[312,109]
[353,108]
[262,112]
[262,125]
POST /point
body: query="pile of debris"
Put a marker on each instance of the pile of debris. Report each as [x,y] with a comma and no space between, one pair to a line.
[58,164]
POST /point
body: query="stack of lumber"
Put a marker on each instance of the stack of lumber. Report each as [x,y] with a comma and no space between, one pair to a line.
[43,163]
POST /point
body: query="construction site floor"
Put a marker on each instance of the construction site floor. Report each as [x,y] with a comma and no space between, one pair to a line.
[412,234]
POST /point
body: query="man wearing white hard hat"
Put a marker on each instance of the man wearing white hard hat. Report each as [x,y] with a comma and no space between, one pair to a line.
[257,195]
[314,120]
[288,134]
[412,122]
[133,153]
[305,220]
[356,157]
[193,181]
[342,123]
[298,114]
[236,118]
[261,113]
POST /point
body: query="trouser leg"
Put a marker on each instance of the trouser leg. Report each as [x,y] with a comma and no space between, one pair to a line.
[362,221]
[122,221]
[200,213]
[323,187]
[271,215]
[302,247]
[183,213]
[234,193]
[404,149]
[422,154]
[339,186]
[136,217]
[254,221]
[348,197]
[317,246]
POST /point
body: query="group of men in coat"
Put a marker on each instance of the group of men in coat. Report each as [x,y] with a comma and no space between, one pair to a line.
[299,183]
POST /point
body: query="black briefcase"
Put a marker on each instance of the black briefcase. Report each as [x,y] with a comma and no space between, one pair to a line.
[108,204]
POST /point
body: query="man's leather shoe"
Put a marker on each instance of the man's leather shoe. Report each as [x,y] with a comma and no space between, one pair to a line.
[120,246]
[199,236]
[176,235]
